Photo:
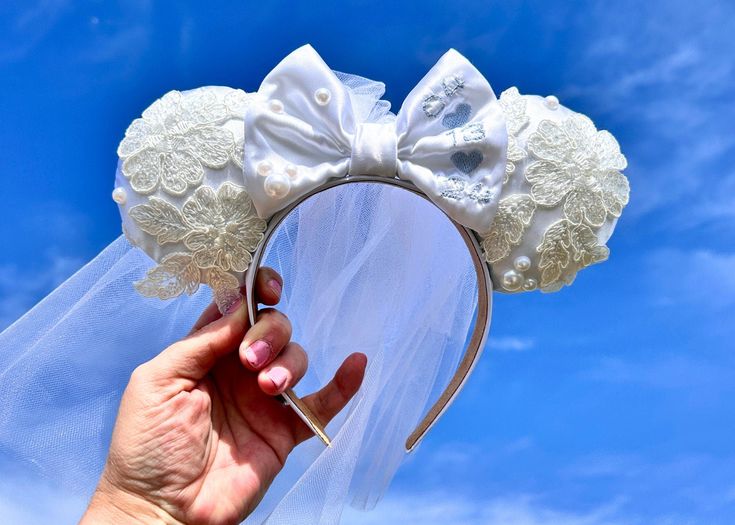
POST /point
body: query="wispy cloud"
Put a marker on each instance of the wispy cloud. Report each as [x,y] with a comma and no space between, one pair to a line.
[701,279]
[444,509]
[669,94]
[21,287]
[511,343]
[674,372]
[32,503]
[28,26]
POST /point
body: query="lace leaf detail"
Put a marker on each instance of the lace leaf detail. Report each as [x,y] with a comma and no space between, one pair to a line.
[225,286]
[237,101]
[160,219]
[554,250]
[176,274]
[514,109]
[565,249]
[513,217]
[515,154]
[585,248]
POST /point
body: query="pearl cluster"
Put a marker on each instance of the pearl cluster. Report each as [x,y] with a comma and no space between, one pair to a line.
[513,280]
[277,184]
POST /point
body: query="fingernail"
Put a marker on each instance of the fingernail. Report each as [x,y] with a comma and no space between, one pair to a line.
[257,353]
[275,286]
[234,306]
[278,377]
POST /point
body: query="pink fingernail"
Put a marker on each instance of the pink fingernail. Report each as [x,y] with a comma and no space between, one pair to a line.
[234,306]
[278,377]
[275,286]
[257,353]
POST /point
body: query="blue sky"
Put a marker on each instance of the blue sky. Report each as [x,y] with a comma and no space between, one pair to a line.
[610,403]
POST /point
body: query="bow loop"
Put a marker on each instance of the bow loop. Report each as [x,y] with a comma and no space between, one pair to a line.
[449,139]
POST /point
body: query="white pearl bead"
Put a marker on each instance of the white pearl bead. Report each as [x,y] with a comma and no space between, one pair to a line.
[530,285]
[264,167]
[552,102]
[277,185]
[512,280]
[322,96]
[119,195]
[522,263]
[292,171]
[276,106]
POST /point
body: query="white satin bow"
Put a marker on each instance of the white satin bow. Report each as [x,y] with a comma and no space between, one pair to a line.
[449,138]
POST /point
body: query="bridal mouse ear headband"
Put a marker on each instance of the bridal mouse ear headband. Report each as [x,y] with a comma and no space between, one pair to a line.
[205,177]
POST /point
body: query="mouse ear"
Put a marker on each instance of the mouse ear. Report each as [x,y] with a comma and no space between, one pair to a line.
[180,190]
[562,195]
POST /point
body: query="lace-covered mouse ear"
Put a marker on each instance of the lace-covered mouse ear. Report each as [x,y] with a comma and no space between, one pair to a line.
[562,195]
[179,188]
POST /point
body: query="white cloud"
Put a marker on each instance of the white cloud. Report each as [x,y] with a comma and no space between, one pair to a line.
[26,503]
[670,87]
[447,509]
[676,372]
[26,28]
[22,287]
[692,278]
[511,343]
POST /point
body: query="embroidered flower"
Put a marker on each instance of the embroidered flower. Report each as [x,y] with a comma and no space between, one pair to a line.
[226,229]
[579,165]
[220,229]
[174,140]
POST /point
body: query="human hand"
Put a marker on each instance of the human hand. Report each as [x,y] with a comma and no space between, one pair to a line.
[199,435]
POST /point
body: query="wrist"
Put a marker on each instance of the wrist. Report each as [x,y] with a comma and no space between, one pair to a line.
[111,505]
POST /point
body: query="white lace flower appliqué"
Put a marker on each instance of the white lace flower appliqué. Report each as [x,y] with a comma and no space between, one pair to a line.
[579,165]
[174,140]
[514,110]
[220,231]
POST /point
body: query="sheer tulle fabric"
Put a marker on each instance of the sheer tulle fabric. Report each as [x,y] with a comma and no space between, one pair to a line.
[367,267]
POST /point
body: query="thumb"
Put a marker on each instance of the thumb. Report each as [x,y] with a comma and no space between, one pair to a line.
[194,356]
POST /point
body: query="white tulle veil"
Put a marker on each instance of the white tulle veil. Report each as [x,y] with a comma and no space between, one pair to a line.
[367,267]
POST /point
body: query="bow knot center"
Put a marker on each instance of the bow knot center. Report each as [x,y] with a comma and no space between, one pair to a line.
[375,150]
